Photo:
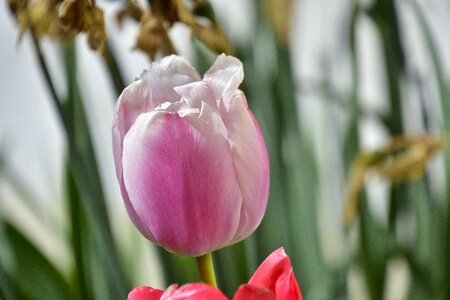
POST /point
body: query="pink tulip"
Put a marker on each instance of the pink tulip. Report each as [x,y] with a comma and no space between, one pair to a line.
[190,157]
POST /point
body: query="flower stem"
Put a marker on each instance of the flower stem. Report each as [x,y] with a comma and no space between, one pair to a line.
[46,73]
[206,269]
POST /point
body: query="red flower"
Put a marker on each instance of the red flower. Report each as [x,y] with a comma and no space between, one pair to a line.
[276,274]
[191,291]
[273,280]
[251,292]
[145,293]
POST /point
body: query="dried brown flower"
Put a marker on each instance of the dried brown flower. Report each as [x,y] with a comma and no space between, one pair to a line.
[153,34]
[84,16]
[404,158]
[131,10]
[40,16]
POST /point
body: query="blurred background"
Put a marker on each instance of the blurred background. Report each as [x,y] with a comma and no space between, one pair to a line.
[353,98]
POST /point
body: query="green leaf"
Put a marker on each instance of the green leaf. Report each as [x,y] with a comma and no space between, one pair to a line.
[425,262]
[231,268]
[443,88]
[83,165]
[178,269]
[8,289]
[81,242]
[36,277]
[351,143]
[374,243]
[384,14]
[113,69]
[203,56]
[105,266]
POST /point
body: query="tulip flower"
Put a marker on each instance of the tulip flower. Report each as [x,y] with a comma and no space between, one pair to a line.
[190,157]
[191,291]
[273,280]
[276,274]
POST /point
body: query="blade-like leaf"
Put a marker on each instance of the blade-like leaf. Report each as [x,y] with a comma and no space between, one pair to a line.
[36,277]
[443,88]
[86,176]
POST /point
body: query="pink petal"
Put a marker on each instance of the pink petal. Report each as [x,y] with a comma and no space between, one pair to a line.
[164,75]
[251,161]
[224,77]
[135,218]
[145,293]
[153,88]
[181,183]
[133,101]
[193,291]
[275,273]
[250,292]
[195,93]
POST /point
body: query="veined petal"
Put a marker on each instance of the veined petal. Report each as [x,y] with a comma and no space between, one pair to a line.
[182,183]
[224,77]
[133,101]
[135,218]
[251,161]
[155,86]
[208,121]
[195,93]
[164,75]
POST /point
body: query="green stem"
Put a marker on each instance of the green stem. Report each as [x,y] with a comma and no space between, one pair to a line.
[206,269]
[114,70]
[43,65]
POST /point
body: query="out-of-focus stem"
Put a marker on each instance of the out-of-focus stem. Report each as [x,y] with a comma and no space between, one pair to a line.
[46,73]
[206,269]
[114,70]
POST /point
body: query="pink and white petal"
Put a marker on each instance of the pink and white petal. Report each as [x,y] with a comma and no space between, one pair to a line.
[250,159]
[251,292]
[180,183]
[224,77]
[155,86]
[133,101]
[135,218]
[208,122]
[164,75]
[193,291]
[145,293]
[195,93]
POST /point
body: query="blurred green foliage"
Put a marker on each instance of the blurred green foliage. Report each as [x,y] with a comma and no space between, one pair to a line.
[292,216]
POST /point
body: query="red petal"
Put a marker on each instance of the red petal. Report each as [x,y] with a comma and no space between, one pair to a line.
[250,292]
[193,291]
[145,293]
[275,273]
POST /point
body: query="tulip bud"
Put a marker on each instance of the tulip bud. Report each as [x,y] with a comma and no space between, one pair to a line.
[190,157]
